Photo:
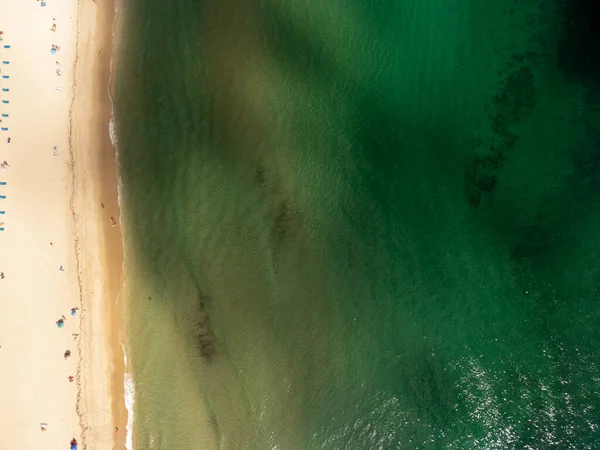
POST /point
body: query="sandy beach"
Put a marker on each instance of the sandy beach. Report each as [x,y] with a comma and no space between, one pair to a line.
[59,249]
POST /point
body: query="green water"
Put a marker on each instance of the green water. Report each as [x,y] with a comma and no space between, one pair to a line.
[360,225]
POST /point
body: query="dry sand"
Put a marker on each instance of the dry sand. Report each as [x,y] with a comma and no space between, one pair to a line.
[58,198]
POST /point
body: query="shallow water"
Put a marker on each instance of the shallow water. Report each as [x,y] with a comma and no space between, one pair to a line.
[356,226]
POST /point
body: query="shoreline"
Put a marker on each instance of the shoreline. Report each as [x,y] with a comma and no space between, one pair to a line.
[103,168]
[123,408]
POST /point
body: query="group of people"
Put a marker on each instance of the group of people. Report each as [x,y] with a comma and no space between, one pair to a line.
[54,49]
[67,355]
[4,165]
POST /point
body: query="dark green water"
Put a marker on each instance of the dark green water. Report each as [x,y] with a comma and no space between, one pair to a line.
[362,225]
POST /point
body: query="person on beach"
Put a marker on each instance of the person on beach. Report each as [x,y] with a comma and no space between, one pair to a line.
[61,269]
[74,311]
[71,378]
[9,140]
[75,336]
[2,275]
[53,27]
[67,355]
[60,323]
[114,222]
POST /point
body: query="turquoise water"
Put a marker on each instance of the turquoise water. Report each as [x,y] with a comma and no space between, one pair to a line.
[361,225]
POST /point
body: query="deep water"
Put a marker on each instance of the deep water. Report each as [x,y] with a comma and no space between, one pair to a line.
[362,225]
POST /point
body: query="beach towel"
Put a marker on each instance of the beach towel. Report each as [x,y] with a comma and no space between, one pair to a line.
[7,46]
[5,76]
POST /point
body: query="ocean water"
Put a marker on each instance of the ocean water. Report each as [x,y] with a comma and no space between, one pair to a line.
[361,225]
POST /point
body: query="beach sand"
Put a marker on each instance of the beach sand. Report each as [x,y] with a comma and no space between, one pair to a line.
[56,196]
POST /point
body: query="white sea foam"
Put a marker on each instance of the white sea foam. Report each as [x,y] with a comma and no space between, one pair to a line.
[112,132]
[129,401]
[112,128]
[128,382]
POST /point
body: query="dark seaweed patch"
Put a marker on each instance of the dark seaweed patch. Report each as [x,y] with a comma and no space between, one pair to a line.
[515,101]
[282,222]
[259,176]
[203,337]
